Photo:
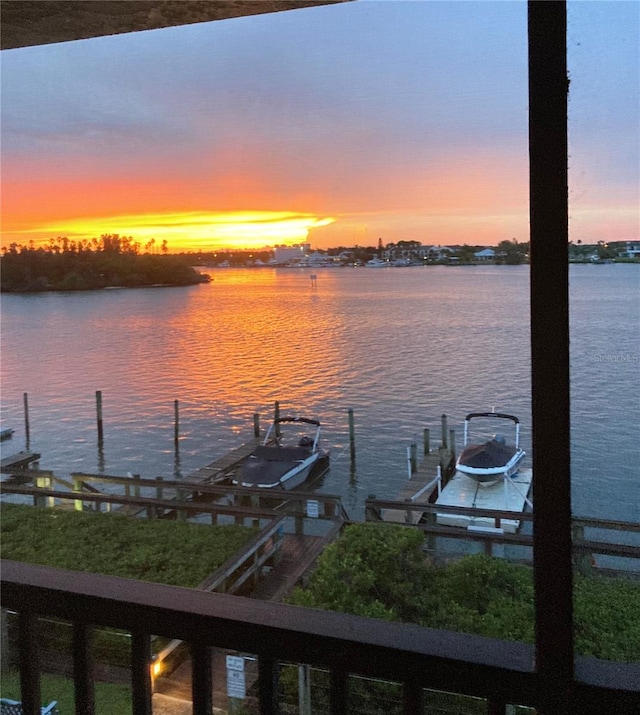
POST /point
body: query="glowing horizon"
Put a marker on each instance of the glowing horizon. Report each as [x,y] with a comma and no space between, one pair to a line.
[401,126]
[189,230]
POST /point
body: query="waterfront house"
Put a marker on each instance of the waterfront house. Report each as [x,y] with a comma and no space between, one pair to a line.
[486,254]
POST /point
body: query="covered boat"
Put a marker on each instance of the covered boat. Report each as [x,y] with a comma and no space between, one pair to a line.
[283,461]
[493,459]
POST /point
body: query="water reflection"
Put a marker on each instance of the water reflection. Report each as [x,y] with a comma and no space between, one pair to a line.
[399,347]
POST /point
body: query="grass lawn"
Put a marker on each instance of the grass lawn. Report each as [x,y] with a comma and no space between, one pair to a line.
[110,699]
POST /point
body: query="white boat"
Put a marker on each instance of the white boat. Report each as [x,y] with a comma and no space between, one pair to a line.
[287,456]
[377,263]
[489,461]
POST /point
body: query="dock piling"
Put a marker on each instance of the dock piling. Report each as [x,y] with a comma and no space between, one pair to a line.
[444,431]
[99,416]
[256,425]
[176,425]
[352,438]
[426,441]
[25,398]
[276,417]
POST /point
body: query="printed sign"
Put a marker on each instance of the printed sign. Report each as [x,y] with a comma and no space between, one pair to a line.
[235,662]
[313,508]
[236,684]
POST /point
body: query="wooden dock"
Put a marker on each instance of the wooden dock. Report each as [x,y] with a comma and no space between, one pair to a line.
[509,494]
[19,461]
[224,464]
[421,483]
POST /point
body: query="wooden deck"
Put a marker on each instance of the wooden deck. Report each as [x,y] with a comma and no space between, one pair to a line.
[425,473]
[21,460]
[298,553]
[225,463]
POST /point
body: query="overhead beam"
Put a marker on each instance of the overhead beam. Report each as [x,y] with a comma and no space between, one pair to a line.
[34,22]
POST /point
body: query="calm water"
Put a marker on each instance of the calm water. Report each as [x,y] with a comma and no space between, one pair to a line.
[399,346]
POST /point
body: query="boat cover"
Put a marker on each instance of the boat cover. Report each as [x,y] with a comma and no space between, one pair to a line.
[268,465]
[486,456]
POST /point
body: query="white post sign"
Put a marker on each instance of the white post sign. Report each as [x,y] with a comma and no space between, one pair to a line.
[235,677]
[313,508]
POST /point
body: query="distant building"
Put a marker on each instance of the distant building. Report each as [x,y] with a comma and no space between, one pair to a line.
[486,254]
[632,250]
[290,254]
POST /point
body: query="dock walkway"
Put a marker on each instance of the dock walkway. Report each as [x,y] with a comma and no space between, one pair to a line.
[424,475]
[509,494]
[20,461]
[226,463]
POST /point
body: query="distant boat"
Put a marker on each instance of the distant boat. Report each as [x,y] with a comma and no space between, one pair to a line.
[377,263]
[494,459]
[286,457]
[5,434]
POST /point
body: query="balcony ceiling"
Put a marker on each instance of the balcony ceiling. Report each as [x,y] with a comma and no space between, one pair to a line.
[34,22]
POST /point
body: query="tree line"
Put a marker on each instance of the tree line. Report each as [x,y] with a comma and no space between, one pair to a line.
[109,261]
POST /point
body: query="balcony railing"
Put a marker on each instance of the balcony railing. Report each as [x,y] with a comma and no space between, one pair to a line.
[419,658]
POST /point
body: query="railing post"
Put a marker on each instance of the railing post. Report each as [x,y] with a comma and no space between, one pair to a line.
[29,662]
[201,679]
[83,669]
[141,673]
[338,692]
[268,673]
[77,487]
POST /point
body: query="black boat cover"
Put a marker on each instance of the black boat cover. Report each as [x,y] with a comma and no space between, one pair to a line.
[487,455]
[268,465]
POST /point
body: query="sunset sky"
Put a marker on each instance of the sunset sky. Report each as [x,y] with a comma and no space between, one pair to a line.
[336,125]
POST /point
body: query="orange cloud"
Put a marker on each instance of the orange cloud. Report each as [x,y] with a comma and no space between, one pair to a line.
[191,230]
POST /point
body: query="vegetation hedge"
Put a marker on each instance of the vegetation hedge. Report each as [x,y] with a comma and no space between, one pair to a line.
[380,570]
[172,552]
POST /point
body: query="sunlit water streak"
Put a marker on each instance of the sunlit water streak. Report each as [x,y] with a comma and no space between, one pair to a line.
[399,346]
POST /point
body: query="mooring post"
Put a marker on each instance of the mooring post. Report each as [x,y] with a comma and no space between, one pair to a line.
[26,417]
[99,415]
[426,441]
[256,425]
[414,458]
[452,443]
[352,437]
[444,430]
[42,482]
[176,425]
[276,417]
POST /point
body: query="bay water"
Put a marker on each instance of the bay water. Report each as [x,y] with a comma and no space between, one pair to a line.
[398,346]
